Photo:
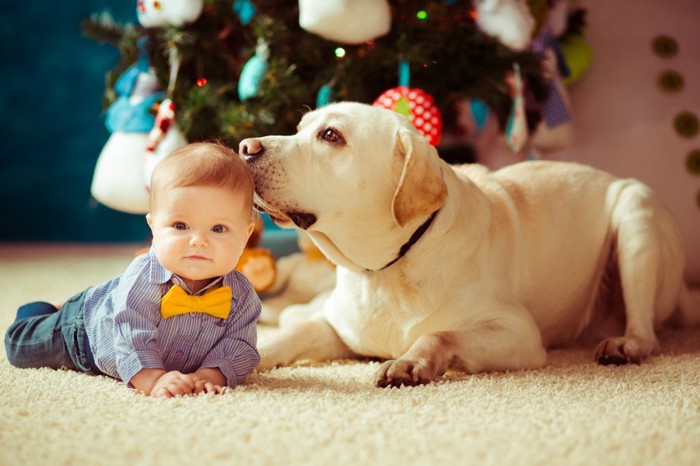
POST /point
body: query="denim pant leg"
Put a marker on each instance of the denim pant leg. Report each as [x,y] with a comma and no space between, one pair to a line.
[52,340]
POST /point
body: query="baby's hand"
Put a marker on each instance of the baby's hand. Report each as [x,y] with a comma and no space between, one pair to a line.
[174,383]
[205,386]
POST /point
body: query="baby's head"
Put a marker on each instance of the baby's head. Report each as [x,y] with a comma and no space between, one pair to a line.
[203,164]
[201,211]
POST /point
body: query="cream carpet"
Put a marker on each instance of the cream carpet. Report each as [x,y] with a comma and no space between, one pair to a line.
[573,412]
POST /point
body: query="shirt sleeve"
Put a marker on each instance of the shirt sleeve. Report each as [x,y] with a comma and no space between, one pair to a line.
[235,354]
[136,317]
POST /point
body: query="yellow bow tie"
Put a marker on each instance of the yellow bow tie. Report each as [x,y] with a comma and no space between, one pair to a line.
[216,302]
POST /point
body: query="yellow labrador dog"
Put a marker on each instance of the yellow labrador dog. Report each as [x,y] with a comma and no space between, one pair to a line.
[442,267]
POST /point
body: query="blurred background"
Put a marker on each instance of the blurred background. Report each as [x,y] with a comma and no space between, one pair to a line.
[53,127]
[634,108]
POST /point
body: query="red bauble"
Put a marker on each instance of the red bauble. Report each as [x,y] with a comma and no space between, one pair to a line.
[416,105]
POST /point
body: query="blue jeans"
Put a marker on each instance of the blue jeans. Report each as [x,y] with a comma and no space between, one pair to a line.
[41,336]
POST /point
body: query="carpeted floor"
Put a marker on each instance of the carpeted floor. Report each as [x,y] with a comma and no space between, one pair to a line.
[573,412]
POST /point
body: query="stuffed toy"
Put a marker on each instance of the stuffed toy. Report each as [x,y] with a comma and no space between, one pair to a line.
[119,172]
[159,13]
[258,264]
[304,280]
[346,21]
[509,21]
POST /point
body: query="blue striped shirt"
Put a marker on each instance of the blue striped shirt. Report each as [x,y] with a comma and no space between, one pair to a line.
[126,332]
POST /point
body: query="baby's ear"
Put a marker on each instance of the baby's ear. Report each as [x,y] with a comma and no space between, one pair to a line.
[149,220]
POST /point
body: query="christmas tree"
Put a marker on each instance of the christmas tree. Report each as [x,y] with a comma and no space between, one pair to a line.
[236,68]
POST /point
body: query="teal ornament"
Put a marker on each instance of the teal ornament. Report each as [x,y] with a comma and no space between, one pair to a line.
[245,11]
[324,96]
[137,90]
[252,74]
[480,112]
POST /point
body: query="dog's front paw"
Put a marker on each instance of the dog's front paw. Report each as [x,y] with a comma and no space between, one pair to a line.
[398,372]
[623,350]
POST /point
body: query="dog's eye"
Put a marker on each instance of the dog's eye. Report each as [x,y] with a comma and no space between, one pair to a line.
[332,136]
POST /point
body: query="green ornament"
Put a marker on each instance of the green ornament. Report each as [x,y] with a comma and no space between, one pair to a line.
[686,124]
[665,46]
[579,55]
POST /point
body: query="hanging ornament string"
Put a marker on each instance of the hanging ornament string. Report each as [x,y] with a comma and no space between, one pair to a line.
[404,73]
[174,59]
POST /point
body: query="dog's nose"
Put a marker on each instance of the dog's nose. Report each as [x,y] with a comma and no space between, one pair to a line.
[250,148]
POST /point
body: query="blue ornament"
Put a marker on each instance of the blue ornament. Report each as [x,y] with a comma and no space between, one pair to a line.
[138,91]
[253,72]
[245,10]
[324,96]
[480,112]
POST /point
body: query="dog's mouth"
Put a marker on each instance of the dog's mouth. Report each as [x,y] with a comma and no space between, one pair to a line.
[285,219]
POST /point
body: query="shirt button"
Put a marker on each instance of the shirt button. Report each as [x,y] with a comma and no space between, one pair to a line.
[178,355]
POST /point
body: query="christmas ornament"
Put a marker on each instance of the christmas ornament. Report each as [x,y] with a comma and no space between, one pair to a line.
[159,13]
[324,96]
[416,105]
[516,128]
[346,21]
[118,178]
[245,11]
[253,73]
[163,138]
[578,55]
[509,21]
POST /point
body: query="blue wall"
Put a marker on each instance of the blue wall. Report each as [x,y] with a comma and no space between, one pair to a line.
[52,128]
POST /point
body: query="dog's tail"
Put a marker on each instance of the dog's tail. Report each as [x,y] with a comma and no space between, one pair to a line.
[688,312]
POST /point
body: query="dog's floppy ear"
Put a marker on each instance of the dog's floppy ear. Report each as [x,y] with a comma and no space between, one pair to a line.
[421,189]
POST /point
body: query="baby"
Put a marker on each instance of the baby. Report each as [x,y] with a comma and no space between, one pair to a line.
[180,319]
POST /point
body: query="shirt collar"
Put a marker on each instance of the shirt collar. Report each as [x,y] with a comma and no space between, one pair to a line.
[160,275]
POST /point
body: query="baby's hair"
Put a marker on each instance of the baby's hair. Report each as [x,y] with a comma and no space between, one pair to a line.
[203,164]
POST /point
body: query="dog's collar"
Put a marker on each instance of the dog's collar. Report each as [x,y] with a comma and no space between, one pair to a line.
[411,241]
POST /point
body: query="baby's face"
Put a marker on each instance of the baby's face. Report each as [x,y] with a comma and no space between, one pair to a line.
[199,232]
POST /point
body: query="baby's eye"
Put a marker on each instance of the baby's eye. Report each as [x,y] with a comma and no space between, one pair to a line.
[218,229]
[179,226]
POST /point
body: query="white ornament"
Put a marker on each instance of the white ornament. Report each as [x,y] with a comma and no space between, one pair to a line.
[159,13]
[509,21]
[346,21]
[118,179]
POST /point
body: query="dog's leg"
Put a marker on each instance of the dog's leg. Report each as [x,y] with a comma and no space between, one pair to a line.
[312,339]
[645,256]
[506,342]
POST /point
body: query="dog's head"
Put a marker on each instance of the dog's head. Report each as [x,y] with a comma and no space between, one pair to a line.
[357,178]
